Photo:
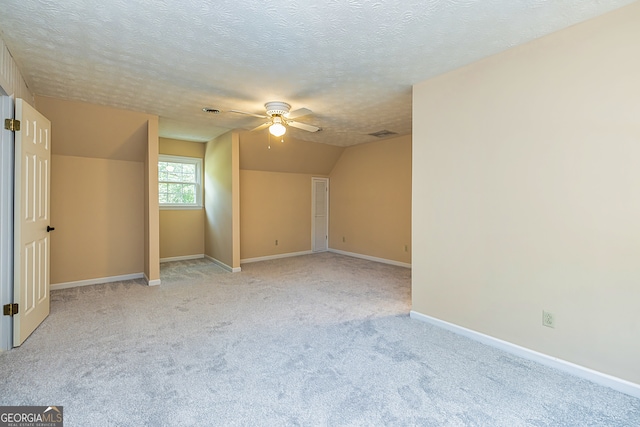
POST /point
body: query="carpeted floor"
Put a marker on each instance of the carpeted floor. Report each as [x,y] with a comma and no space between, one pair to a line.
[314,340]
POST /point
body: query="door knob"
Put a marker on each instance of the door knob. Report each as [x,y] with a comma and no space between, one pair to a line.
[49,228]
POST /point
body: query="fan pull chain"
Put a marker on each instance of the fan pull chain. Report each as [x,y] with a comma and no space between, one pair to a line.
[269,140]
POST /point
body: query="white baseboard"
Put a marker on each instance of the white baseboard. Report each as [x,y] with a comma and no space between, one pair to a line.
[278,256]
[223,265]
[600,378]
[97,281]
[181,258]
[371,258]
[154,282]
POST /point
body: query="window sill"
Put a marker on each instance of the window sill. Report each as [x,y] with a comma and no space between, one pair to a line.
[180,208]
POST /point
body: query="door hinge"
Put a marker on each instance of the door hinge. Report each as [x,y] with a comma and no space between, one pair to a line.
[10,309]
[12,124]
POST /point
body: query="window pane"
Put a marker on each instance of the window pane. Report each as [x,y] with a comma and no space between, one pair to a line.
[178,193]
[174,176]
[188,173]
[162,171]
[176,172]
[174,193]
[162,191]
[189,193]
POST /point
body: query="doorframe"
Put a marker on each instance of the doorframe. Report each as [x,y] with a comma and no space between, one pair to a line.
[7,111]
[313,214]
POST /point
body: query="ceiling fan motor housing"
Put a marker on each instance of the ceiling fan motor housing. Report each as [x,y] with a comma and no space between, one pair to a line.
[277,108]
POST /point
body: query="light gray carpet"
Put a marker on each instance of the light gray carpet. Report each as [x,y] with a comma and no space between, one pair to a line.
[312,340]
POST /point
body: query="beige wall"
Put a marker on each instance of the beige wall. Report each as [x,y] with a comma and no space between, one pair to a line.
[293,155]
[275,206]
[181,230]
[370,200]
[98,212]
[176,147]
[109,214]
[89,130]
[275,191]
[222,200]
[525,195]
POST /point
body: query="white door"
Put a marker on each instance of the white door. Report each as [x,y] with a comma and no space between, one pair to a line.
[320,214]
[31,221]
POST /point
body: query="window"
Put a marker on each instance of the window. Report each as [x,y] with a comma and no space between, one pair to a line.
[179,182]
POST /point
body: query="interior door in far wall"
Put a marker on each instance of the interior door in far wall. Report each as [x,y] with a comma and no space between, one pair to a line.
[31,220]
[320,214]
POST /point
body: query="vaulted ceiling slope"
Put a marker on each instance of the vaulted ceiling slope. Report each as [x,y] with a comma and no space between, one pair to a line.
[352,63]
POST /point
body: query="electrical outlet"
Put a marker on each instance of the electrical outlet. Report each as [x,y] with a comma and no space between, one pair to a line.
[548,319]
[276,242]
[344,239]
[406,248]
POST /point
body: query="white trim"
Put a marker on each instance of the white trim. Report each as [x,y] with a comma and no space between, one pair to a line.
[97,281]
[181,208]
[223,265]
[181,258]
[154,282]
[600,378]
[6,216]
[278,256]
[371,258]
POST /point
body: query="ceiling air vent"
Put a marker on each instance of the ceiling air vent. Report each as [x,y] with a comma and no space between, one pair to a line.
[383,133]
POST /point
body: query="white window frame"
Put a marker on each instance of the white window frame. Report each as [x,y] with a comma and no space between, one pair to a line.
[186,160]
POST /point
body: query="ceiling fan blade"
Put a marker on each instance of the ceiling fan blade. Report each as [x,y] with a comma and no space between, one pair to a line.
[303,126]
[262,126]
[298,113]
[249,114]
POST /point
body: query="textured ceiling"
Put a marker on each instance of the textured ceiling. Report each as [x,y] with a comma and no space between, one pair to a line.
[352,62]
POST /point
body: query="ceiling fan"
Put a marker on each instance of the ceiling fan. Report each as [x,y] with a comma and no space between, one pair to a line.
[279,117]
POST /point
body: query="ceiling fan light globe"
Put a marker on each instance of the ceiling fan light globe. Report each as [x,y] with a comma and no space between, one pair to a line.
[277,129]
